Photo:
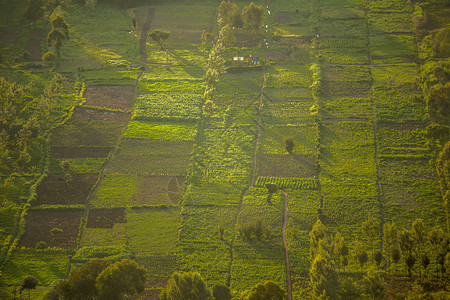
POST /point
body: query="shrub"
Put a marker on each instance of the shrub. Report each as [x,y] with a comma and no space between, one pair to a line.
[49,56]
[40,245]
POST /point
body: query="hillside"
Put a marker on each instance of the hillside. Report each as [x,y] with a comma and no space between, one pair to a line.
[332,129]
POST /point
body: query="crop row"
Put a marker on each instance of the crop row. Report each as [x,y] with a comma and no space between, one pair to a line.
[288,183]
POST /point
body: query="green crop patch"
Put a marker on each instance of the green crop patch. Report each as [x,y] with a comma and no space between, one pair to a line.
[273,139]
[159,265]
[46,266]
[347,73]
[210,259]
[342,3]
[153,231]
[157,130]
[339,12]
[347,89]
[394,75]
[406,168]
[342,43]
[279,94]
[345,55]
[87,134]
[414,199]
[288,183]
[112,253]
[114,191]
[114,236]
[297,30]
[398,105]
[195,86]
[347,135]
[241,89]
[171,70]
[164,106]
[151,157]
[110,77]
[387,6]
[208,223]
[393,48]
[214,193]
[290,113]
[390,23]
[401,135]
[347,108]
[158,190]
[284,75]
[287,165]
[341,28]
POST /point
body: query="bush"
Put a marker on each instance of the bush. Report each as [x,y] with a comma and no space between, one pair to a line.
[56,231]
[49,56]
[40,245]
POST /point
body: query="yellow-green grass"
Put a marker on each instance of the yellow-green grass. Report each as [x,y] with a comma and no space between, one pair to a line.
[389,23]
[78,165]
[213,193]
[287,75]
[151,157]
[272,139]
[350,27]
[115,191]
[153,231]
[45,265]
[154,130]
[238,89]
[347,108]
[115,236]
[195,86]
[168,106]
[288,113]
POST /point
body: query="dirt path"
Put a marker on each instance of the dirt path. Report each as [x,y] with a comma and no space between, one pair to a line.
[258,133]
[144,34]
[286,252]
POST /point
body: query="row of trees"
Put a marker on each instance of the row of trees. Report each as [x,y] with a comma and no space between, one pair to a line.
[251,16]
[414,246]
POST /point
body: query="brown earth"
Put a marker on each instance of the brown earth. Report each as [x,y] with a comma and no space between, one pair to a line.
[105,217]
[290,165]
[40,222]
[110,96]
[80,152]
[55,189]
[86,114]
[156,190]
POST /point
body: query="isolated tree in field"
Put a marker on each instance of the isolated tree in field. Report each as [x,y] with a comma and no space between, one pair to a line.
[289,144]
[28,283]
[371,230]
[159,36]
[390,239]
[183,286]
[418,235]
[221,292]
[59,31]
[268,290]
[271,188]
[253,16]
[125,277]
[373,284]
[81,282]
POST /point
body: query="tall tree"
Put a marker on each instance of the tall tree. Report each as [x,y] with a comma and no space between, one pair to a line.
[59,31]
[253,16]
[406,242]
[371,230]
[390,240]
[183,286]
[28,283]
[125,277]
[418,235]
[268,290]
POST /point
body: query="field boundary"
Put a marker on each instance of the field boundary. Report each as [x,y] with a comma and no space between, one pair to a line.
[286,250]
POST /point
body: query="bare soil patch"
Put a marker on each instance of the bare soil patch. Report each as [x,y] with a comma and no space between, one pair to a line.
[39,223]
[55,190]
[80,152]
[289,165]
[105,217]
[110,96]
[86,114]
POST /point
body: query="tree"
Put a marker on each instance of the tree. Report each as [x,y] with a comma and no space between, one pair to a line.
[271,188]
[226,35]
[340,249]
[371,230]
[208,107]
[390,240]
[440,45]
[406,246]
[159,36]
[438,244]
[49,57]
[373,284]
[229,14]
[253,16]
[267,291]
[378,258]
[59,31]
[443,170]
[221,292]
[289,144]
[362,258]
[395,255]
[28,283]
[81,282]
[323,277]
[418,235]
[125,277]
[182,286]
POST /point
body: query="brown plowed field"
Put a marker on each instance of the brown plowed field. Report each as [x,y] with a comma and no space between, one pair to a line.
[80,152]
[86,114]
[40,222]
[105,217]
[110,96]
[55,190]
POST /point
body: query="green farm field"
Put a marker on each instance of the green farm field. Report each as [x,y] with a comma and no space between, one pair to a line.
[300,143]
